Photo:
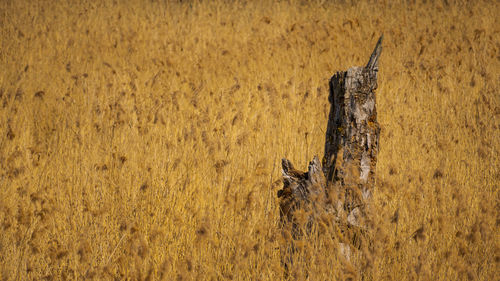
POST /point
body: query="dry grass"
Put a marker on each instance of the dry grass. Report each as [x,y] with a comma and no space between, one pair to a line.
[143,140]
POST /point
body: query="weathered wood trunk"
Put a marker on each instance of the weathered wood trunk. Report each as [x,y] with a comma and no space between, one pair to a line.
[352,137]
[343,184]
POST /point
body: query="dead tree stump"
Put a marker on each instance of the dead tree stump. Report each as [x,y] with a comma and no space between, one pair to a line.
[343,184]
[352,137]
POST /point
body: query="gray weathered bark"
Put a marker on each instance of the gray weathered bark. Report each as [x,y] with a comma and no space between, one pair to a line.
[352,135]
[344,182]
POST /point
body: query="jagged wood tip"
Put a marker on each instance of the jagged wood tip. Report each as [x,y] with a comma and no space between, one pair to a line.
[286,166]
[373,62]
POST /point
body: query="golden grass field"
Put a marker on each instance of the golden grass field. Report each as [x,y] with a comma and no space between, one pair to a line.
[142,140]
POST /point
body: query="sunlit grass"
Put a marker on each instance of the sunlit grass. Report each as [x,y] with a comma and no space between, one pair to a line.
[143,140]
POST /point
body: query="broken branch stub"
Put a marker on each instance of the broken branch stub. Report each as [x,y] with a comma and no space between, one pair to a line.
[301,190]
